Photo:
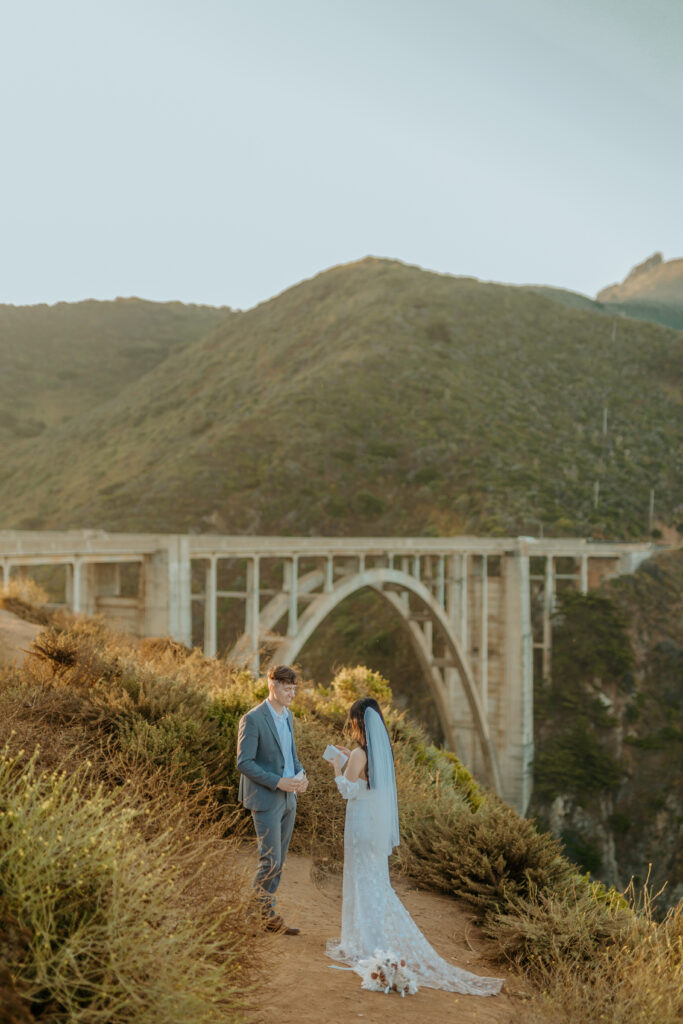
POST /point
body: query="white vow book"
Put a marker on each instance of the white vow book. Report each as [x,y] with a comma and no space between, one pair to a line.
[331,752]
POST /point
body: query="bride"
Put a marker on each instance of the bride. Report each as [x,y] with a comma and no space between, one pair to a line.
[373,917]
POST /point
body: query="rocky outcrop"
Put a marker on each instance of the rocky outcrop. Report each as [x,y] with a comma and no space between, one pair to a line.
[653,280]
[609,766]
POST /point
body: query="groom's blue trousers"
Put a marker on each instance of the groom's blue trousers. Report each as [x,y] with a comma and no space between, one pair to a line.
[273,832]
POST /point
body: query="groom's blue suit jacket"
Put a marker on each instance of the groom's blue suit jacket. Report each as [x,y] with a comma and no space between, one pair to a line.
[260,760]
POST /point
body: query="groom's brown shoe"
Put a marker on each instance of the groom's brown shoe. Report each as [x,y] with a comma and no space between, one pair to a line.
[276,924]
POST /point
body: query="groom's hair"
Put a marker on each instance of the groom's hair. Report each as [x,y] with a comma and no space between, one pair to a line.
[281,674]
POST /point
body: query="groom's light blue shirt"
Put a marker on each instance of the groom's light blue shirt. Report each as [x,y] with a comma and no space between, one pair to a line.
[285,737]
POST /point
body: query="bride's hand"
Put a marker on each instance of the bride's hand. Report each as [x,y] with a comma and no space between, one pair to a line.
[337,765]
[344,750]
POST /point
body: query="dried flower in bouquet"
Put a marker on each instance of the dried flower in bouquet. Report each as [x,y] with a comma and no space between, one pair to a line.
[387,972]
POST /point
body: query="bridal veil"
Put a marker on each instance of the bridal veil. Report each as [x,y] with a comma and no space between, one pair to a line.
[382,778]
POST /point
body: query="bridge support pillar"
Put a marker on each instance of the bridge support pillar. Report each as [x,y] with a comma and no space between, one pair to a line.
[76,599]
[179,590]
[517,753]
[466,744]
[210,607]
[165,595]
[154,595]
[252,614]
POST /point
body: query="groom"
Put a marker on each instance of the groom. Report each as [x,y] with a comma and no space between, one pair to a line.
[267,761]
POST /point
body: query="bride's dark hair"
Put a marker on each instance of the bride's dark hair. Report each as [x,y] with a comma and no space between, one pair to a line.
[355,724]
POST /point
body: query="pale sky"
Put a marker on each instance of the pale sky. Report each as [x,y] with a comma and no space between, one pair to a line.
[219,151]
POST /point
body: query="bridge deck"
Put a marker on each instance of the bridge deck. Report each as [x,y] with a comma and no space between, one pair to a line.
[34,544]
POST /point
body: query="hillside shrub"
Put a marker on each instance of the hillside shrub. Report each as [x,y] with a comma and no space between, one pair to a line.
[24,589]
[547,926]
[369,504]
[91,916]
[26,599]
[350,684]
[597,960]
[487,856]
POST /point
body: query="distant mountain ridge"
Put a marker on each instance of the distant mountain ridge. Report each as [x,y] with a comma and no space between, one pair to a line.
[653,280]
[375,398]
[58,361]
[652,291]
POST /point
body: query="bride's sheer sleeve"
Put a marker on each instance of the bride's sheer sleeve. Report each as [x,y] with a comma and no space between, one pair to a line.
[349,790]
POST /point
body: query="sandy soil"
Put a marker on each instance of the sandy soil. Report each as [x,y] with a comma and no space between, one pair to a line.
[303,987]
[16,636]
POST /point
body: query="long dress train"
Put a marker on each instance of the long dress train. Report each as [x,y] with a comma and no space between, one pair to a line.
[373,917]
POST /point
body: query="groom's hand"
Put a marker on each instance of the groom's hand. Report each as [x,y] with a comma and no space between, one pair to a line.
[289,785]
[303,784]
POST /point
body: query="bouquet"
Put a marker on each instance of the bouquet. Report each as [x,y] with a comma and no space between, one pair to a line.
[386,972]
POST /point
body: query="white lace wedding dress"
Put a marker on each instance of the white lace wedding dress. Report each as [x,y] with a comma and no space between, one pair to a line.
[373,917]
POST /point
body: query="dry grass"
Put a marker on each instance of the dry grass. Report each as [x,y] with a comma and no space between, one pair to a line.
[26,590]
[624,967]
[26,599]
[159,838]
[97,882]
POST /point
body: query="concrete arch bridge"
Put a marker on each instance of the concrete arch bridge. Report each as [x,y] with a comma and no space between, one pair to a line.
[477,609]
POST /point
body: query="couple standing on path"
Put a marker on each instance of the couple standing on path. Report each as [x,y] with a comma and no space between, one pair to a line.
[373,918]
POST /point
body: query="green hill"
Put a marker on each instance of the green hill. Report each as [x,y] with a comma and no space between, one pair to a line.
[669,314]
[575,300]
[376,398]
[58,361]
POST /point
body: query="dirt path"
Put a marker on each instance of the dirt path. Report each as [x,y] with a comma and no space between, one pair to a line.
[304,989]
[16,636]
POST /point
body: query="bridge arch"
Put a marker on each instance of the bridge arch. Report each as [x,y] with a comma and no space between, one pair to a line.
[470,603]
[395,586]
